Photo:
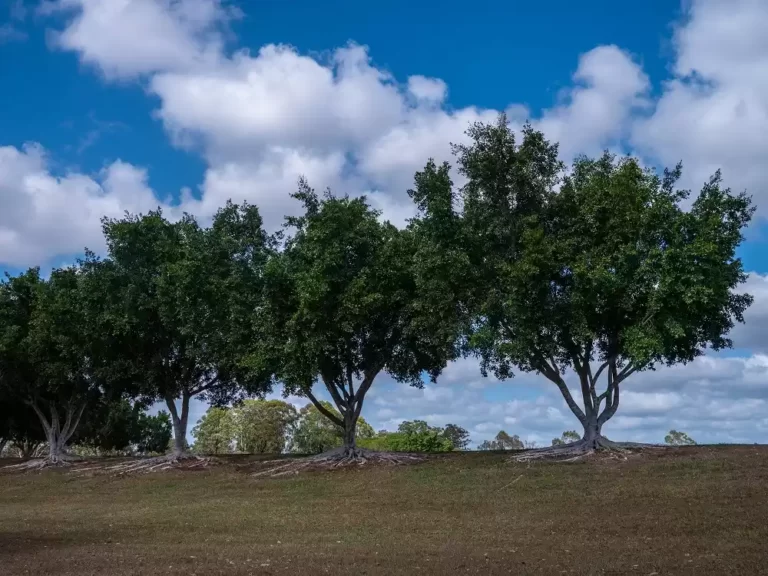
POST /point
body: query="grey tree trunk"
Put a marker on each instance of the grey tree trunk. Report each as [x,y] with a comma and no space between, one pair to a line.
[56,434]
[179,424]
[3,442]
[592,435]
[350,425]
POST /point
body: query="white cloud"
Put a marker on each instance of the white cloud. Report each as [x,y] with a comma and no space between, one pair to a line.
[714,112]
[42,215]
[753,334]
[127,38]
[610,87]
[260,120]
[276,111]
[431,90]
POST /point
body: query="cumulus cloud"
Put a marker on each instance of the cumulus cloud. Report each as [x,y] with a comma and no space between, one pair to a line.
[43,215]
[351,124]
[431,90]
[713,113]
[753,334]
[128,38]
[596,113]
[261,119]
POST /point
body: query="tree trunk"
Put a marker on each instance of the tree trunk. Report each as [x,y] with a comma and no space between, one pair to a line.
[56,434]
[3,442]
[350,425]
[592,436]
[179,424]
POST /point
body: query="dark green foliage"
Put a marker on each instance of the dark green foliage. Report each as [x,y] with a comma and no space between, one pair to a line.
[184,306]
[458,436]
[343,303]
[154,433]
[109,426]
[51,349]
[607,274]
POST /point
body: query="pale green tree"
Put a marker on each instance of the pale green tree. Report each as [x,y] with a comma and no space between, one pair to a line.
[678,438]
[263,426]
[215,432]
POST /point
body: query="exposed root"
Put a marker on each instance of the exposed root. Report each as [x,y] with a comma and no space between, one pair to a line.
[36,464]
[337,458]
[157,464]
[576,451]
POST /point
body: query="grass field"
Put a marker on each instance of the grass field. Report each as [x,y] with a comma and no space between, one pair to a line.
[701,510]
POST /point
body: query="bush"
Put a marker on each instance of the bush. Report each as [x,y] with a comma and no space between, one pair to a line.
[414,436]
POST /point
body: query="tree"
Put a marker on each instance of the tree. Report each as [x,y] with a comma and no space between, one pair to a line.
[568,437]
[607,276]
[263,426]
[345,296]
[110,426]
[411,436]
[675,438]
[215,432]
[154,433]
[503,441]
[185,304]
[314,433]
[458,436]
[50,351]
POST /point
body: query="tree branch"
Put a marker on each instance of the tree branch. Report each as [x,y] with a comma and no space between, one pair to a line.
[43,420]
[323,410]
[555,377]
[74,425]
[333,388]
[361,392]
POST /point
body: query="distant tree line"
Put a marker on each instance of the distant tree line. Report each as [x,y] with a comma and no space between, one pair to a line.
[603,269]
[275,426]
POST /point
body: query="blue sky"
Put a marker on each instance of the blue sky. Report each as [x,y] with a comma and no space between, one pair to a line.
[124,105]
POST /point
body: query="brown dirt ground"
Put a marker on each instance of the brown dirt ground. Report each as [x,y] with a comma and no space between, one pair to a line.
[701,510]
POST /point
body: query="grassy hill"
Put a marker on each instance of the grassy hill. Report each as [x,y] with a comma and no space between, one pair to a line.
[700,510]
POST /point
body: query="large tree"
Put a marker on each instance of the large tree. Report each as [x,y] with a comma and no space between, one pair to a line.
[604,272]
[50,351]
[346,300]
[185,307]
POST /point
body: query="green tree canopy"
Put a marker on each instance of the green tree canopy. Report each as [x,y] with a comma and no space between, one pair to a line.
[567,437]
[503,441]
[51,349]
[215,432]
[154,434]
[607,274]
[184,304]
[677,438]
[345,294]
[458,436]
[263,426]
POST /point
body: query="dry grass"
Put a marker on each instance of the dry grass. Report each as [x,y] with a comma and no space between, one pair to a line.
[684,511]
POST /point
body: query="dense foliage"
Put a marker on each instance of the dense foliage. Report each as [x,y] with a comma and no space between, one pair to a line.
[411,436]
[601,270]
[598,271]
[344,305]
